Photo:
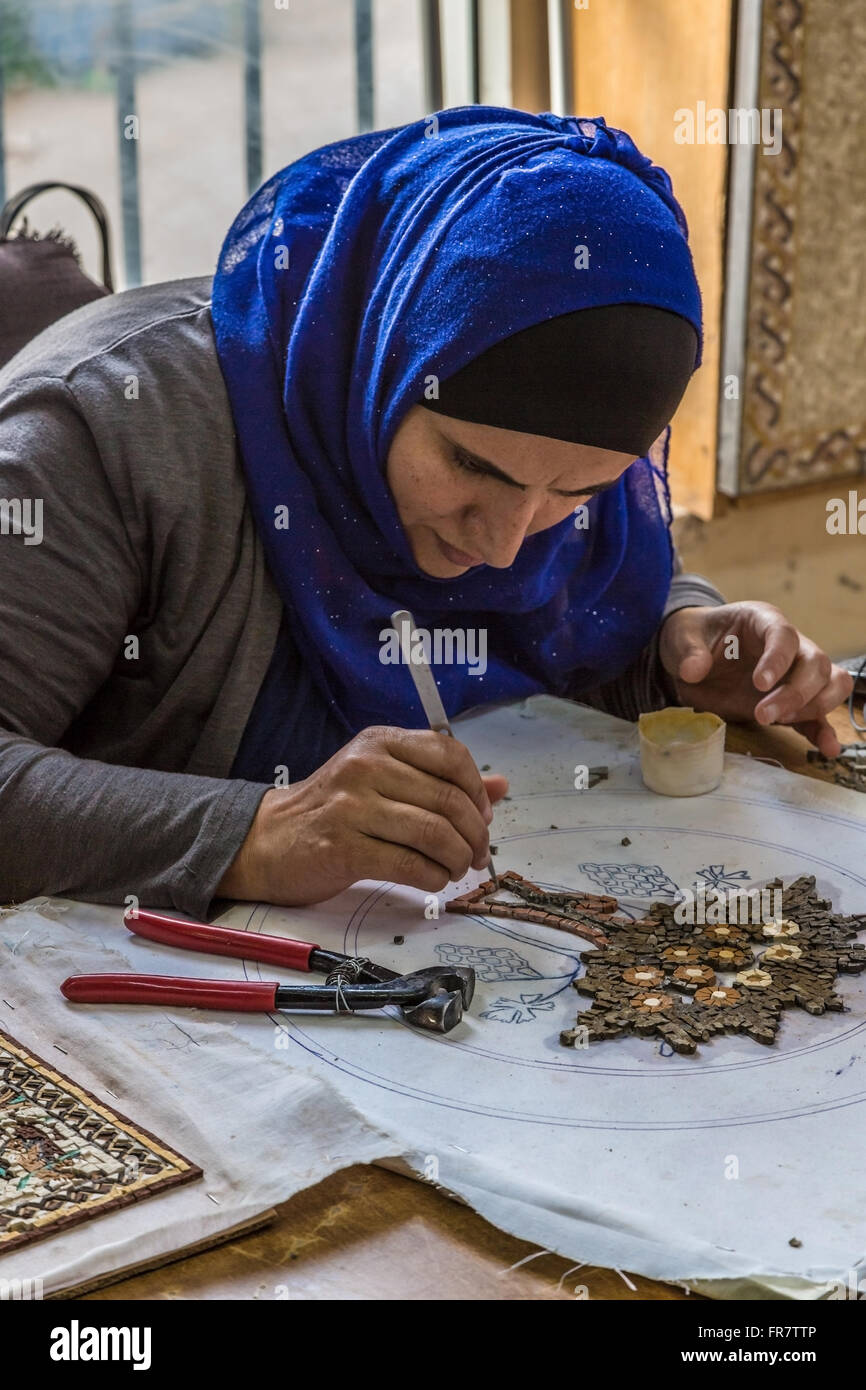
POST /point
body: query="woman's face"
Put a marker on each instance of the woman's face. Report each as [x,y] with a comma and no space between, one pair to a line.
[470,494]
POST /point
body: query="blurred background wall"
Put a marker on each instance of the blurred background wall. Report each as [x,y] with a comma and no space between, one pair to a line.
[227,91]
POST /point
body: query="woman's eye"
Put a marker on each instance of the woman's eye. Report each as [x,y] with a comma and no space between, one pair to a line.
[463,462]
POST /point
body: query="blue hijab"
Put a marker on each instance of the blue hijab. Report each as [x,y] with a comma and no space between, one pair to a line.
[348,279]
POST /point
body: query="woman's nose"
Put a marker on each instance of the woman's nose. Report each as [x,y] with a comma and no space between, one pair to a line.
[499,531]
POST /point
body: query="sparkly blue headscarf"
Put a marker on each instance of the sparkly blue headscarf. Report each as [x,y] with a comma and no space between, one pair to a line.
[348,280]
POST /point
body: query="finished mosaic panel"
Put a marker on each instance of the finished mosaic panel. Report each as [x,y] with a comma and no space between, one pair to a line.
[65,1157]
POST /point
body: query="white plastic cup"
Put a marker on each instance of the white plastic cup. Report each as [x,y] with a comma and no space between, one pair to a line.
[682,753]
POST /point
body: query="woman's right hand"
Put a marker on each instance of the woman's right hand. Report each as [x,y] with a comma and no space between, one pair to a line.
[401,805]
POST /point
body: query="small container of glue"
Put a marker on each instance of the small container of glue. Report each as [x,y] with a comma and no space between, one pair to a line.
[682,753]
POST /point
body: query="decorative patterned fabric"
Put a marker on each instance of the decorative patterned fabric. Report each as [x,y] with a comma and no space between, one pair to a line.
[804,418]
[64,1156]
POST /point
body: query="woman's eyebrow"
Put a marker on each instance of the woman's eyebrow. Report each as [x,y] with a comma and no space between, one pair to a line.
[589,491]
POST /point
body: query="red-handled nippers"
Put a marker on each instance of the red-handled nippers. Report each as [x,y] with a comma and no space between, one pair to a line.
[433,998]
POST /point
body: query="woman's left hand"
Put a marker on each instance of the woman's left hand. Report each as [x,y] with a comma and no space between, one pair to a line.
[771,673]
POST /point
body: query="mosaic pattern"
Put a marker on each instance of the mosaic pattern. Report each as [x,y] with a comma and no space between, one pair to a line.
[848,770]
[64,1156]
[684,983]
[583,914]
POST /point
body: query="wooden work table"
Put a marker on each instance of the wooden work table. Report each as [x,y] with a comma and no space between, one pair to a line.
[365,1233]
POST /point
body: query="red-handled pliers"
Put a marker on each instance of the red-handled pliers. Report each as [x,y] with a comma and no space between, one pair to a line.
[432,998]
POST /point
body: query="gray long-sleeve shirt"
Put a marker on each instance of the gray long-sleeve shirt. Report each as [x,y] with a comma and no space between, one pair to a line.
[137,617]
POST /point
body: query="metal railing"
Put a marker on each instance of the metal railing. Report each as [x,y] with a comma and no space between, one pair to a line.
[467,50]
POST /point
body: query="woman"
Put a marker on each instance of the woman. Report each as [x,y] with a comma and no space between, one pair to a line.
[436,363]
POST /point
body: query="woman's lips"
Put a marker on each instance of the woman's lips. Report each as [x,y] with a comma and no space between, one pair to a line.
[456,557]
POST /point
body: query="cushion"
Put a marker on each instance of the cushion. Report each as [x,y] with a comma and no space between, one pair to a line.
[40,281]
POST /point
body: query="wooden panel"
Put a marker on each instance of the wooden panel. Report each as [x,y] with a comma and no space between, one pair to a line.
[775,546]
[636,64]
[367,1233]
[530,67]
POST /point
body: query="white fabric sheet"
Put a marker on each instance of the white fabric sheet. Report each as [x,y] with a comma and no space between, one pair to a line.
[692,1169]
[209,1084]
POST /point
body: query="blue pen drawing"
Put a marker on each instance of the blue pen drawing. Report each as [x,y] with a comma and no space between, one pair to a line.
[522,1010]
[631,880]
[490,963]
[495,964]
[715,876]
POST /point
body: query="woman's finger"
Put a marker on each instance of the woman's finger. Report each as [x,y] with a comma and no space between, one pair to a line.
[390,863]
[829,685]
[781,646]
[431,752]
[686,641]
[399,782]
[496,786]
[822,734]
[805,679]
[430,835]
